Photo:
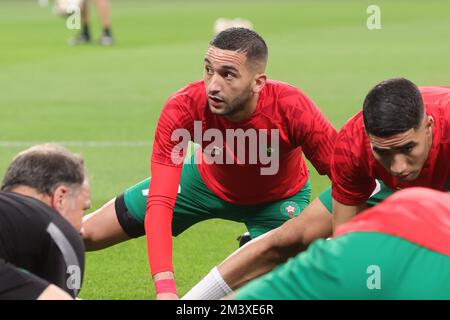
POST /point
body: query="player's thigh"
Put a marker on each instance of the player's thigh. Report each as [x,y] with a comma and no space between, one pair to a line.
[272,215]
[102,228]
[313,223]
[192,205]
[380,193]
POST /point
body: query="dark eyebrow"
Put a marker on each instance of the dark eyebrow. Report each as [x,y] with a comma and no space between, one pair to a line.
[381,150]
[226,66]
[407,145]
[402,147]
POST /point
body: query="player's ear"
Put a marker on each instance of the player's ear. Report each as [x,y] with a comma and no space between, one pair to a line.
[259,82]
[59,198]
[429,121]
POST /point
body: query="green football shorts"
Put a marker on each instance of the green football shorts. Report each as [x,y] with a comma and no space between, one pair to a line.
[195,203]
[380,193]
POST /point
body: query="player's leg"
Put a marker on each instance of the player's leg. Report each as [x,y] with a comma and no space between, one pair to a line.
[103,8]
[380,193]
[123,217]
[85,35]
[269,216]
[263,253]
[120,219]
[287,240]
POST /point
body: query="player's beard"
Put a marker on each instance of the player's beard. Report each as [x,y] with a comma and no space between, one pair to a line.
[236,105]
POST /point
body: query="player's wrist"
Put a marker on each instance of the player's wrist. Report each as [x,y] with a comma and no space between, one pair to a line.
[165,286]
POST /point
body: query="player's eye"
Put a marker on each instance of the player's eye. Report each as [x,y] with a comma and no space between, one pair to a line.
[407,150]
[381,152]
[208,70]
[229,75]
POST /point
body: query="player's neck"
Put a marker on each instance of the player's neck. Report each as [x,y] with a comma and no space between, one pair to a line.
[246,112]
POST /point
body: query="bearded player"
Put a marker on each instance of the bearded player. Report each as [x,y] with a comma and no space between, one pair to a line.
[235,99]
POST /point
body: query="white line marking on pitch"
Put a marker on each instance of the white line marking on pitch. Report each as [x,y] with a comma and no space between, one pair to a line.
[83,144]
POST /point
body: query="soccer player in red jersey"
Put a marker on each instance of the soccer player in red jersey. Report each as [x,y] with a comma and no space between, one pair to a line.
[250,166]
[395,250]
[416,126]
[402,137]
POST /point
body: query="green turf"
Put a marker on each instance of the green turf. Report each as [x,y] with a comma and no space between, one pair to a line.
[52,92]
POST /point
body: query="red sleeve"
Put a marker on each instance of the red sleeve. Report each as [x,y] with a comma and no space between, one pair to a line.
[158,219]
[351,183]
[174,131]
[312,130]
[166,165]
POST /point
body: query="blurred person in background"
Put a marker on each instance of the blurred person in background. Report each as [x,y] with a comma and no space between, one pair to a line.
[103,9]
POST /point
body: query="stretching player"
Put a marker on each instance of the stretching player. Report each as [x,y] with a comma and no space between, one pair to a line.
[395,250]
[250,167]
[402,137]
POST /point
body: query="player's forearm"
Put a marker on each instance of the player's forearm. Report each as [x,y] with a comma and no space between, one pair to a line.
[256,258]
[343,213]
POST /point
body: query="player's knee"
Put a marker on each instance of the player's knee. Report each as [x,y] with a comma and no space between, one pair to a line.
[88,235]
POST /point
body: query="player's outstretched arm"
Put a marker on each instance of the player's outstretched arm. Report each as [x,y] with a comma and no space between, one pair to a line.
[343,213]
[262,254]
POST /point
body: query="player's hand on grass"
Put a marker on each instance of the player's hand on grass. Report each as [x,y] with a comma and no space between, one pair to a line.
[165,286]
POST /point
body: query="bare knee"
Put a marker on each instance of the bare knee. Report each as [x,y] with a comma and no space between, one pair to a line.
[102,229]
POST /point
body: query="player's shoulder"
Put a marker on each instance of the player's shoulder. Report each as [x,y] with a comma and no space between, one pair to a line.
[437,103]
[438,96]
[283,91]
[27,209]
[194,91]
[23,203]
[287,100]
[354,127]
[29,215]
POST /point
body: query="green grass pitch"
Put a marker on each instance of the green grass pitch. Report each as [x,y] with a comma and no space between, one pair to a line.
[52,92]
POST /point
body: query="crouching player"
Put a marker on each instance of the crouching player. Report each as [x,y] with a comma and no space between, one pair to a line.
[395,250]
[43,197]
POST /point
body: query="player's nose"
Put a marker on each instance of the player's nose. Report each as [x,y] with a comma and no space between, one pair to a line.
[214,85]
[399,165]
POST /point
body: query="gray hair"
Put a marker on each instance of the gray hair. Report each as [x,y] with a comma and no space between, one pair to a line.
[44,168]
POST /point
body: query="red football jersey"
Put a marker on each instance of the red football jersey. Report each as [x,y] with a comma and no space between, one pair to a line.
[354,167]
[285,118]
[418,215]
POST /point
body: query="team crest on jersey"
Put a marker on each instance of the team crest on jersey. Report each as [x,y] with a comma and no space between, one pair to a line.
[290,208]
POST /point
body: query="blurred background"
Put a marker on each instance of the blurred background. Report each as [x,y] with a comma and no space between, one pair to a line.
[104,101]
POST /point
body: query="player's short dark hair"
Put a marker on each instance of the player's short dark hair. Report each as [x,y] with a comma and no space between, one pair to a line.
[44,168]
[242,40]
[393,106]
